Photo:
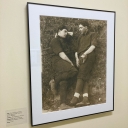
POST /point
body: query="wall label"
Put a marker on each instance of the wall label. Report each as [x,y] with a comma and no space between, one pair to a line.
[17,116]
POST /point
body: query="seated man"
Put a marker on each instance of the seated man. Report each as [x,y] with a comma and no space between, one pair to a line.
[85,59]
[62,63]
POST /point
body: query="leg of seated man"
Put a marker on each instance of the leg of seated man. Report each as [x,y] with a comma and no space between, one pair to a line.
[63,95]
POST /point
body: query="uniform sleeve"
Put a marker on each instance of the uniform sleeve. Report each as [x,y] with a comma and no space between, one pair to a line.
[55,46]
[94,37]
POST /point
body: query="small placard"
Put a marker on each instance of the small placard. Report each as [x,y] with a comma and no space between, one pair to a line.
[17,116]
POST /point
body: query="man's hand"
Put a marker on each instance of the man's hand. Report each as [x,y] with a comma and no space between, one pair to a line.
[77,62]
[83,58]
[56,35]
[72,64]
[70,33]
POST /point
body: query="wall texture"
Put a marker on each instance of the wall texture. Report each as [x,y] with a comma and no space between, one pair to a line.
[14,63]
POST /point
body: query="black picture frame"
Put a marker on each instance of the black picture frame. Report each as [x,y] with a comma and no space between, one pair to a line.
[35,11]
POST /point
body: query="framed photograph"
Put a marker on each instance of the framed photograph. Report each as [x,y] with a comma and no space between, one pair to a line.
[71,62]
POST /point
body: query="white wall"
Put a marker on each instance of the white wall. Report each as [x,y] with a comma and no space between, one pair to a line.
[14,63]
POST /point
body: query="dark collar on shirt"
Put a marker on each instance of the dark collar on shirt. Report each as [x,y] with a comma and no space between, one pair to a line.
[61,39]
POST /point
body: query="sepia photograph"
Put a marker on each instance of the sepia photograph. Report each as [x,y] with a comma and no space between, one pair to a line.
[72,59]
[73,62]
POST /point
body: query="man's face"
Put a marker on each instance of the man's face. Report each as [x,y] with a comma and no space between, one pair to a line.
[63,33]
[83,29]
